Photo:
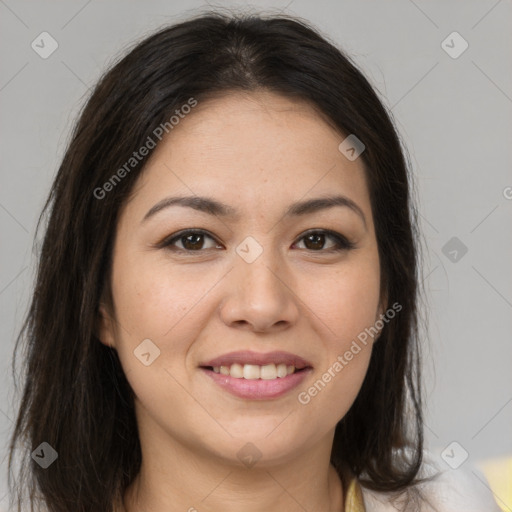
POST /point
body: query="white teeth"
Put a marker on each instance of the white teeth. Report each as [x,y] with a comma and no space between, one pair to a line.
[268,372]
[282,370]
[236,370]
[254,371]
[251,371]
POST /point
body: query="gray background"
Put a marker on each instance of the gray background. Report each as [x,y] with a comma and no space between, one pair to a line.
[454,115]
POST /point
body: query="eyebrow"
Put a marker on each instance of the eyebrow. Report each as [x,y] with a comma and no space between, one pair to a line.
[214,207]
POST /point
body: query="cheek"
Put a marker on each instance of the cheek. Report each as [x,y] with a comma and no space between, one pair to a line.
[156,303]
[347,307]
[151,299]
[151,305]
[168,304]
[347,302]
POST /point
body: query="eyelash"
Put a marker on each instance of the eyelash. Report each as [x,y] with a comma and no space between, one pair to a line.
[342,244]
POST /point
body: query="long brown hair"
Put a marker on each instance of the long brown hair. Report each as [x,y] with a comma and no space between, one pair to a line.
[75,395]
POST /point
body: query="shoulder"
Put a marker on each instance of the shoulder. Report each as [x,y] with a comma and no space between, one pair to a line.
[444,490]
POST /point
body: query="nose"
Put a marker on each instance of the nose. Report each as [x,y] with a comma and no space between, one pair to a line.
[260,296]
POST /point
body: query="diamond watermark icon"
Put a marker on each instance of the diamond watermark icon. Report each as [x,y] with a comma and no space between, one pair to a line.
[454,249]
[249,455]
[454,455]
[249,250]
[351,147]
[45,455]
[44,45]
[147,352]
[454,45]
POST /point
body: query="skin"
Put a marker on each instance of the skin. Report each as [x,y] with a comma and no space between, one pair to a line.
[258,152]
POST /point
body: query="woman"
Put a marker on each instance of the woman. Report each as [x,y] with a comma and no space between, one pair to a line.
[225,314]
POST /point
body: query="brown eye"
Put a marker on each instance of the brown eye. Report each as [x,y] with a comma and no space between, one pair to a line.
[191,241]
[315,241]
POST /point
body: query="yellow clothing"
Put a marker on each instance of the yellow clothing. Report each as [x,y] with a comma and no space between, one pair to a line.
[354,497]
[499,475]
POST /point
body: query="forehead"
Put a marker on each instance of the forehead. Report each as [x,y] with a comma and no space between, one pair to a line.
[252,149]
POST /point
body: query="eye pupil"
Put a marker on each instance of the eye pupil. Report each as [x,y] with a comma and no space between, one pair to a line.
[196,243]
[318,240]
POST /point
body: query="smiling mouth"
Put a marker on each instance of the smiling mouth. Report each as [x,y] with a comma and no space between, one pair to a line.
[255,372]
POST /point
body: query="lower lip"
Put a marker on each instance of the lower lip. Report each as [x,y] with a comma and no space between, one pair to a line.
[258,389]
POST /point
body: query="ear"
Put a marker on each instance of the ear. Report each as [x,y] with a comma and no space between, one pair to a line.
[105,327]
[382,308]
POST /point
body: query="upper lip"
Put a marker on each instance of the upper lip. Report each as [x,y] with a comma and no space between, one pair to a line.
[248,357]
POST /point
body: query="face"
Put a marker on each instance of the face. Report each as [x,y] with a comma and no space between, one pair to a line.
[235,321]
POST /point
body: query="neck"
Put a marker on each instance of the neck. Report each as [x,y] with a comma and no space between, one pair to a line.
[179,479]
